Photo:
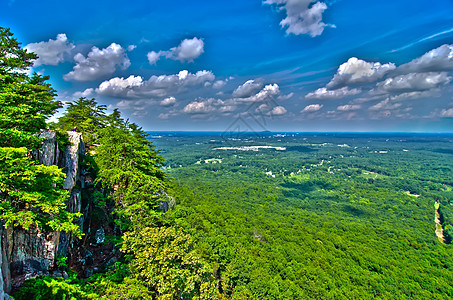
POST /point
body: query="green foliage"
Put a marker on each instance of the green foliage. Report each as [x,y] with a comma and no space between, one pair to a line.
[334,223]
[25,101]
[99,200]
[31,194]
[129,164]
[50,288]
[115,284]
[165,261]
[61,263]
[85,114]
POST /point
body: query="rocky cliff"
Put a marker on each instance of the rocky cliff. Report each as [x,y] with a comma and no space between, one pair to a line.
[26,254]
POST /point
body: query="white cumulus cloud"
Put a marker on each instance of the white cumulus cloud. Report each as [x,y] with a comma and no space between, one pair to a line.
[447,113]
[202,106]
[119,86]
[436,60]
[348,107]
[155,86]
[249,88]
[413,82]
[86,93]
[169,101]
[219,84]
[51,52]
[324,93]
[268,93]
[356,71]
[278,111]
[187,51]
[153,57]
[312,108]
[98,63]
[385,105]
[302,16]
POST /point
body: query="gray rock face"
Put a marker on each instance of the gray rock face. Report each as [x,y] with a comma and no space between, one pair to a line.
[167,203]
[48,155]
[74,204]
[2,291]
[4,264]
[72,155]
[31,252]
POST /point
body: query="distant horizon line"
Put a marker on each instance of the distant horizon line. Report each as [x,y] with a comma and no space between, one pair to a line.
[316,132]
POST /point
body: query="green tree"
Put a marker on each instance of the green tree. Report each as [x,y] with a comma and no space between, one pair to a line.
[31,194]
[25,101]
[165,261]
[129,164]
[85,114]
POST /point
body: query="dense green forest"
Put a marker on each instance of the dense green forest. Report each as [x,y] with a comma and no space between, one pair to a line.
[332,216]
[258,216]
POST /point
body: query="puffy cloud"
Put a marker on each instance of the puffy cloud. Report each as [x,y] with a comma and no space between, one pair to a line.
[312,108]
[348,107]
[271,111]
[302,16]
[436,92]
[202,106]
[268,93]
[227,108]
[385,105]
[249,88]
[98,63]
[51,52]
[155,86]
[86,93]
[278,111]
[324,93]
[170,101]
[262,108]
[219,84]
[153,57]
[413,82]
[358,71]
[119,86]
[436,60]
[131,47]
[198,108]
[187,51]
[447,113]
[285,97]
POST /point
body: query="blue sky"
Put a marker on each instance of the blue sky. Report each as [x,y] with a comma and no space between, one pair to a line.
[279,65]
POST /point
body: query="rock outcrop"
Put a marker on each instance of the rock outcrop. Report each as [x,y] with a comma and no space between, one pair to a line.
[2,290]
[29,253]
[25,254]
[71,159]
[49,153]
